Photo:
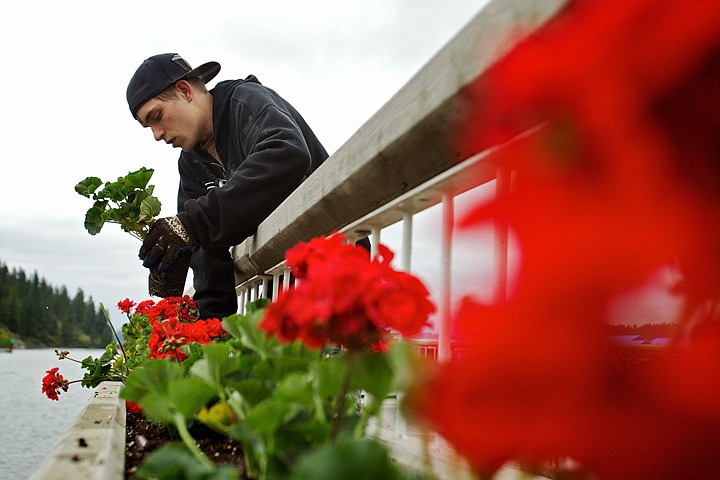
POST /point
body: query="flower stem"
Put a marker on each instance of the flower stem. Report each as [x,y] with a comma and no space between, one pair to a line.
[340,403]
[107,317]
[65,357]
[190,442]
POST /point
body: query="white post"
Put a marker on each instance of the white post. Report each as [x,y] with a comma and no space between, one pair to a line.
[265,287]
[400,423]
[376,239]
[286,278]
[276,284]
[407,240]
[448,221]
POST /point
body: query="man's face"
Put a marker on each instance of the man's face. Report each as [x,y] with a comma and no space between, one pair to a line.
[174,121]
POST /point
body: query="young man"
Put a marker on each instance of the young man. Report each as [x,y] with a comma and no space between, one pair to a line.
[244,150]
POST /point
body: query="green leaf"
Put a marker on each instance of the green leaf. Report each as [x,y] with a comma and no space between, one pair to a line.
[189,395]
[295,388]
[155,375]
[374,374]
[162,391]
[257,305]
[94,220]
[216,365]
[277,367]
[149,208]
[253,390]
[156,407]
[244,328]
[328,375]
[139,178]
[268,415]
[346,458]
[88,186]
[174,462]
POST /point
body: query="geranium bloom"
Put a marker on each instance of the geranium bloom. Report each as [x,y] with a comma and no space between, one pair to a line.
[132,408]
[166,339]
[183,308]
[397,300]
[346,298]
[619,178]
[303,256]
[125,305]
[169,335]
[53,382]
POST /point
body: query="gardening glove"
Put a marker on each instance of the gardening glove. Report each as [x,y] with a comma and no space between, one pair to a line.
[166,240]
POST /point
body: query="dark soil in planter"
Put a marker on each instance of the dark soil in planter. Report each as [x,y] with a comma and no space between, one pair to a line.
[143,437]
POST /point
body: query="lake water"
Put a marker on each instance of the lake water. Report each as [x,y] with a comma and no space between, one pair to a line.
[31,423]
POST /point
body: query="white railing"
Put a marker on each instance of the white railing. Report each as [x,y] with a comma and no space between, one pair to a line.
[400,163]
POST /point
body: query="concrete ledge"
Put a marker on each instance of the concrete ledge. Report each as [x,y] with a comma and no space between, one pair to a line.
[93,448]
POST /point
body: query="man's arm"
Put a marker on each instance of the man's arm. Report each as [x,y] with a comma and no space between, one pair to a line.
[277,161]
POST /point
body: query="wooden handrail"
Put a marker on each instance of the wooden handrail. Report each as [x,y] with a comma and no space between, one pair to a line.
[406,143]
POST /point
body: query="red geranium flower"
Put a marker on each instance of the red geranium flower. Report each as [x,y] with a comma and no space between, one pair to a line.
[398,301]
[132,408]
[167,336]
[345,298]
[53,382]
[125,305]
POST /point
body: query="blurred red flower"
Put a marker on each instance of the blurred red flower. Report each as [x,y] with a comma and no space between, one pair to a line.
[609,119]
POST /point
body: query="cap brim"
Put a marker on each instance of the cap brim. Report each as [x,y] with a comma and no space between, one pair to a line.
[204,72]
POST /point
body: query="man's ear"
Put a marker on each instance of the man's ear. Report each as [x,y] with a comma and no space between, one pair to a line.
[184,89]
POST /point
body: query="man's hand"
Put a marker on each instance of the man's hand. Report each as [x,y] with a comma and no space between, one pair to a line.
[164,243]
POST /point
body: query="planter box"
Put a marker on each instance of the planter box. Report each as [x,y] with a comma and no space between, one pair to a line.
[93,448]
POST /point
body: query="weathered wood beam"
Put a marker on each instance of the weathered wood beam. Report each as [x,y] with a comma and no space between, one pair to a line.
[406,143]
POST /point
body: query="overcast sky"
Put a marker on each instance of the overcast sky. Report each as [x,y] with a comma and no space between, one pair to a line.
[65,116]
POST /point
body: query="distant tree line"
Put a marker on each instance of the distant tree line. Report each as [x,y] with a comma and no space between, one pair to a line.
[37,314]
[650,331]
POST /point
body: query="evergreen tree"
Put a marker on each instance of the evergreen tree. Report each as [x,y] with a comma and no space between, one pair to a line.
[33,310]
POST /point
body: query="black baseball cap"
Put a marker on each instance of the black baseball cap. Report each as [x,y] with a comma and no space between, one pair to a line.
[159,72]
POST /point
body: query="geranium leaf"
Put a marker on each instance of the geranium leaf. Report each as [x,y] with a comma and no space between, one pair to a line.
[363,458]
[174,461]
[88,186]
[149,208]
[156,375]
[189,395]
[94,220]
[215,365]
[294,388]
[328,375]
[244,328]
[139,178]
[157,407]
[374,374]
[268,415]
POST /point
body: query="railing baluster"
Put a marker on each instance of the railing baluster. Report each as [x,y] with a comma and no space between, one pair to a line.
[448,221]
[407,240]
[376,238]
[286,278]
[400,423]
